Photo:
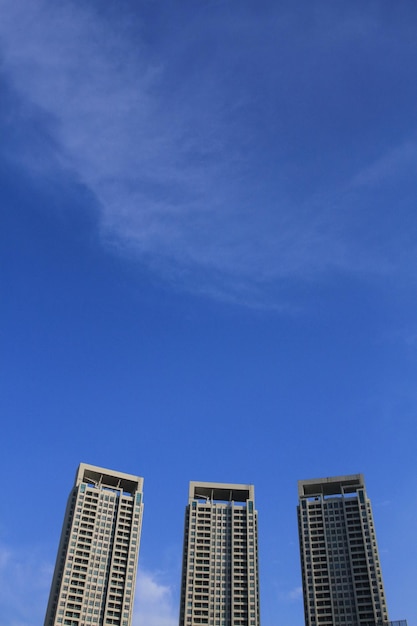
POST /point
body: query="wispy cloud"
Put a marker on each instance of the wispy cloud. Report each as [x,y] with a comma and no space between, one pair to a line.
[154,605]
[292,595]
[396,163]
[383,503]
[295,594]
[183,178]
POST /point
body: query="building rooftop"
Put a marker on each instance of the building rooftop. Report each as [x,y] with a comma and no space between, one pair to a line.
[99,476]
[335,485]
[221,492]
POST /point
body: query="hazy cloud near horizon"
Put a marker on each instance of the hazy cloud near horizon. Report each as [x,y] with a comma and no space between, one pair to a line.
[155,604]
[24,574]
[229,159]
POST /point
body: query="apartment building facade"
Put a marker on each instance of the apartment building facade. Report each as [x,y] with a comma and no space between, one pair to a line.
[95,572]
[341,572]
[220,580]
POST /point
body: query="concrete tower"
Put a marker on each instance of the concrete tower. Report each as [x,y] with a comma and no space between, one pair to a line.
[95,571]
[220,584]
[342,581]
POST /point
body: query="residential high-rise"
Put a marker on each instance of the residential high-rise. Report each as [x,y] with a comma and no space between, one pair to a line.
[220,582]
[342,581]
[95,571]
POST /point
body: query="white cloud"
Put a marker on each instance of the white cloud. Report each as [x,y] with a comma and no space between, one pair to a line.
[154,604]
[173,174]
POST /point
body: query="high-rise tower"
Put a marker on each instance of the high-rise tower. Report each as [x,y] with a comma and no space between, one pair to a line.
[220,583]
[342,581]
[95,571]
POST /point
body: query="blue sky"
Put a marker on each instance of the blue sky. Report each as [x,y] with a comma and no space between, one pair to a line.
[208,240]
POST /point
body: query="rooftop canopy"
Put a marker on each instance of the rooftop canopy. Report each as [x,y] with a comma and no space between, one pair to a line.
[221,492]
[101,477]
[335,485]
